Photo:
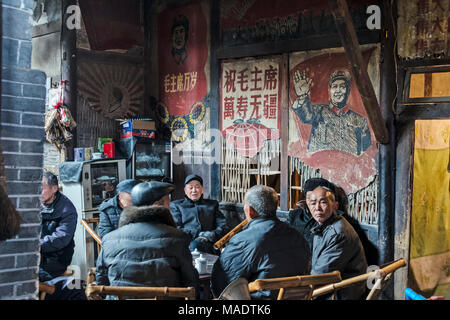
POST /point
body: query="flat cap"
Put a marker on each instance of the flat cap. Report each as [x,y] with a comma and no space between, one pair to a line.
[146,193]
[126,185]
[313,183]
[191,177]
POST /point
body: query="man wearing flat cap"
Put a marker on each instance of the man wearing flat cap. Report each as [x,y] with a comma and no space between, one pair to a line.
[147,249]
[110,209]
[200,218]
[334,243]
[300,218]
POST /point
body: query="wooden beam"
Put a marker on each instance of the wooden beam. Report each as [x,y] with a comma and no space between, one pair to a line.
[284,178]
[69,72]
[347,33]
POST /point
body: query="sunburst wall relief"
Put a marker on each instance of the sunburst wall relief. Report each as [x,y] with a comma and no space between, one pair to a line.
[115,91]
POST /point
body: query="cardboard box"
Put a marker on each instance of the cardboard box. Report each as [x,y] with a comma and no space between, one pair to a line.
[138,128]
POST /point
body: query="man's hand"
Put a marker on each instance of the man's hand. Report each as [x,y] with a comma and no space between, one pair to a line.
[207,234]
[302,85]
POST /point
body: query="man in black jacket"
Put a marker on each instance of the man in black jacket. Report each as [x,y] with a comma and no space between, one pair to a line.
[110,209]
[265,248]
[200,218]
[147,249]
[59,221]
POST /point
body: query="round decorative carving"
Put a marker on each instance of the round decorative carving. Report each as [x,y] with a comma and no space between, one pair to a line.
[115,91]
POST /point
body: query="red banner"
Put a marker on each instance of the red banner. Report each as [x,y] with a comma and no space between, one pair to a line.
[182,52]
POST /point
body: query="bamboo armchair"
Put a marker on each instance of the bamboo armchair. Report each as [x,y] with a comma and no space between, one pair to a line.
[45,288]
[94,233]
[383,276]
[296,287]
[94,292]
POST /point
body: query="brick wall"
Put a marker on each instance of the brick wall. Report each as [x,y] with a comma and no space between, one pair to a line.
[22,135]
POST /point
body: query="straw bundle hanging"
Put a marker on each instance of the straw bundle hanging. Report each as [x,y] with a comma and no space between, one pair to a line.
[9,217]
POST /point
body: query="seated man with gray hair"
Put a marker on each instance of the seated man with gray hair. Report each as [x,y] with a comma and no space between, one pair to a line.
[265,248]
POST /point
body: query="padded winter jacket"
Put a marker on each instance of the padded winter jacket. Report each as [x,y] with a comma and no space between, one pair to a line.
[265,248]
[336,246]
[146,250]
[109,215]
[195,216]
[59,222]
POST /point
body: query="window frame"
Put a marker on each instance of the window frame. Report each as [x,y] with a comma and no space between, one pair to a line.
[406,100]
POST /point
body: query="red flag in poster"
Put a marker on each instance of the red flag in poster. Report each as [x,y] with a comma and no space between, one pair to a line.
[182,52]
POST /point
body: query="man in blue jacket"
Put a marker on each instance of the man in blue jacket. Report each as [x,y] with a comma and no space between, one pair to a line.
[265,248]
[110,209]
[200,218]
[59,221]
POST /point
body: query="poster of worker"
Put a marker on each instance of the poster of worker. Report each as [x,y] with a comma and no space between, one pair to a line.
[329,128]
[250,103]
[182,67]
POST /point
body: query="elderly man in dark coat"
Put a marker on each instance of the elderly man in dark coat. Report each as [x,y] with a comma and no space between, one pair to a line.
[200,218]
[147,249]
[59,221]
[336,245]
[110,209]
[265,248]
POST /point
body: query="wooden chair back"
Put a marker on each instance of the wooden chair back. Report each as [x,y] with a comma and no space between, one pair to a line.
[296,287]
[93,231]
[382,275]
[45,288]
[95,292]
[385,276]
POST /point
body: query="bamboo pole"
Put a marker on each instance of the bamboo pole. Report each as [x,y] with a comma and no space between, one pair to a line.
[143,292]
[224,240]
[295,281]
[91,232]
[380,274]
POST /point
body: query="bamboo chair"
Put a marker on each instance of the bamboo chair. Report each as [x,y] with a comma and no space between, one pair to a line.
[45,288]
[296,287]
[94,233]
[383,276]
[95,292]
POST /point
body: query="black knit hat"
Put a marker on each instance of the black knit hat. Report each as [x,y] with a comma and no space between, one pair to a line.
[313,183]
[193,177]
[146,193]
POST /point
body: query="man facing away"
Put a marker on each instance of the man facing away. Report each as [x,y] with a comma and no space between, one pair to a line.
[147,249]
[110,209]
[336,245]
[200,218]
[265,248]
